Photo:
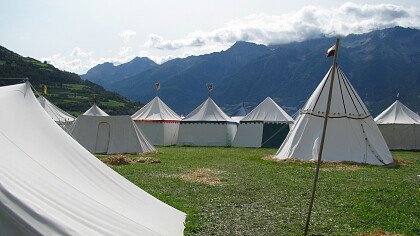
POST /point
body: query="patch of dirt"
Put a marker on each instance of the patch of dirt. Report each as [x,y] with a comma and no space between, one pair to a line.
[272,158]
[203,175]
[123,160]
[398,163]
[379,233]
[327,165]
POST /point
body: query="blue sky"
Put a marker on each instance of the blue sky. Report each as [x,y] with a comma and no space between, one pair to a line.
[76,35]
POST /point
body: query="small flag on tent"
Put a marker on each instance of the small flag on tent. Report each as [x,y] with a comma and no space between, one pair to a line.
[331,51]
[157,85]
[209,87]
[45,89]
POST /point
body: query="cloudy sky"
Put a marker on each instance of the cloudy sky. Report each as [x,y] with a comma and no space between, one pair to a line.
[75,35]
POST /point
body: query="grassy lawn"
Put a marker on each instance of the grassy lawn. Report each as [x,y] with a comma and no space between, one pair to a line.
[233,191]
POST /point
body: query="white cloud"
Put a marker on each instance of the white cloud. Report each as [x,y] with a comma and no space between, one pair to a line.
[127,35]
[78,52]
[307,23]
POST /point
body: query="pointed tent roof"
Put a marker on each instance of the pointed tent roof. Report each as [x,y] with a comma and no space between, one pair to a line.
[269,111]
[51,185]
[55,112]
[208,111]
[352,134]
[398,113]
[156,110]
[95,111]
[242,111]
[345,103]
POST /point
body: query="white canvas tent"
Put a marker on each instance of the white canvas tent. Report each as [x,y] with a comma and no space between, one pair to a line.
[110,135]
[51,185]
[207,125]
[95,111]
[62,118]
[158,122]
[400,127]
[351,135]
[267,125]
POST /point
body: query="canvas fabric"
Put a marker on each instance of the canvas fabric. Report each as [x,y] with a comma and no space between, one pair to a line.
[351,135]
[51,185]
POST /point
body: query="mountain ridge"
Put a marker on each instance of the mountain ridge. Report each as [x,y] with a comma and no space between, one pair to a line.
[379,64]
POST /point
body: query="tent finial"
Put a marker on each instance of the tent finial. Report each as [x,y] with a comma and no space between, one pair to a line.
[210,88]
[157,86]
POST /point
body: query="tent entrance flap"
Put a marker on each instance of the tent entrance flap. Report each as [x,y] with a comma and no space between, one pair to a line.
[274,134]
[102,138]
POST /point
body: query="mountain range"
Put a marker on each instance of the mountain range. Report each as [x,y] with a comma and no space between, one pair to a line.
[379,64]
[66,90]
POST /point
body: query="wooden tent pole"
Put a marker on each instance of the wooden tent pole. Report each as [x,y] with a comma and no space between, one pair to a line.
[321,146]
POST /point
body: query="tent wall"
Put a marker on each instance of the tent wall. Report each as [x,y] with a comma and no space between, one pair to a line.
[249,135]
[274,134]
[160,133]
[357,140]
[401,136]
[53,186]
[206,134]
[110,134]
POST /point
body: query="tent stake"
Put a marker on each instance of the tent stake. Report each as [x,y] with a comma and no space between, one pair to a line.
[321,146]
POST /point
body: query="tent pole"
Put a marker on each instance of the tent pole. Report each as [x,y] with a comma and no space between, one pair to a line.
[321,146]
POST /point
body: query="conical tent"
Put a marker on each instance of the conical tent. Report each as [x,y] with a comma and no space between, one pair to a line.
[351,135]
[95,111]
[239,114]
[101,133]
[51,185]
[158,122]
[400,127]
[267,125]
[62,118]
[207,125]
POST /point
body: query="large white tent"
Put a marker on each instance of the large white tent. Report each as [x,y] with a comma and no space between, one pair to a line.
[51,185]
[351,135]
[100,133]
[267,125]
[62,118]
[400,127]
[158,122]
[207,125]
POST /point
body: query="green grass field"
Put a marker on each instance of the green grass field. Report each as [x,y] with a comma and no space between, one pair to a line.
[233,191]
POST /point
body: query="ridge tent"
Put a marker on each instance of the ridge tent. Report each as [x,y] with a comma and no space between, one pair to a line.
[158,122]
[207,125]
[351,135]
[100,133]
[51,185]
[266,125]
[95,111]
[62,118]
[400,127]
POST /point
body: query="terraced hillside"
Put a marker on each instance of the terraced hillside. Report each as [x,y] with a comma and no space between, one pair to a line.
[66,90]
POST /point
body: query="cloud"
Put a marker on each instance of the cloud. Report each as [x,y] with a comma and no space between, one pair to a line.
[307,23]
[78,52]
[127,35]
